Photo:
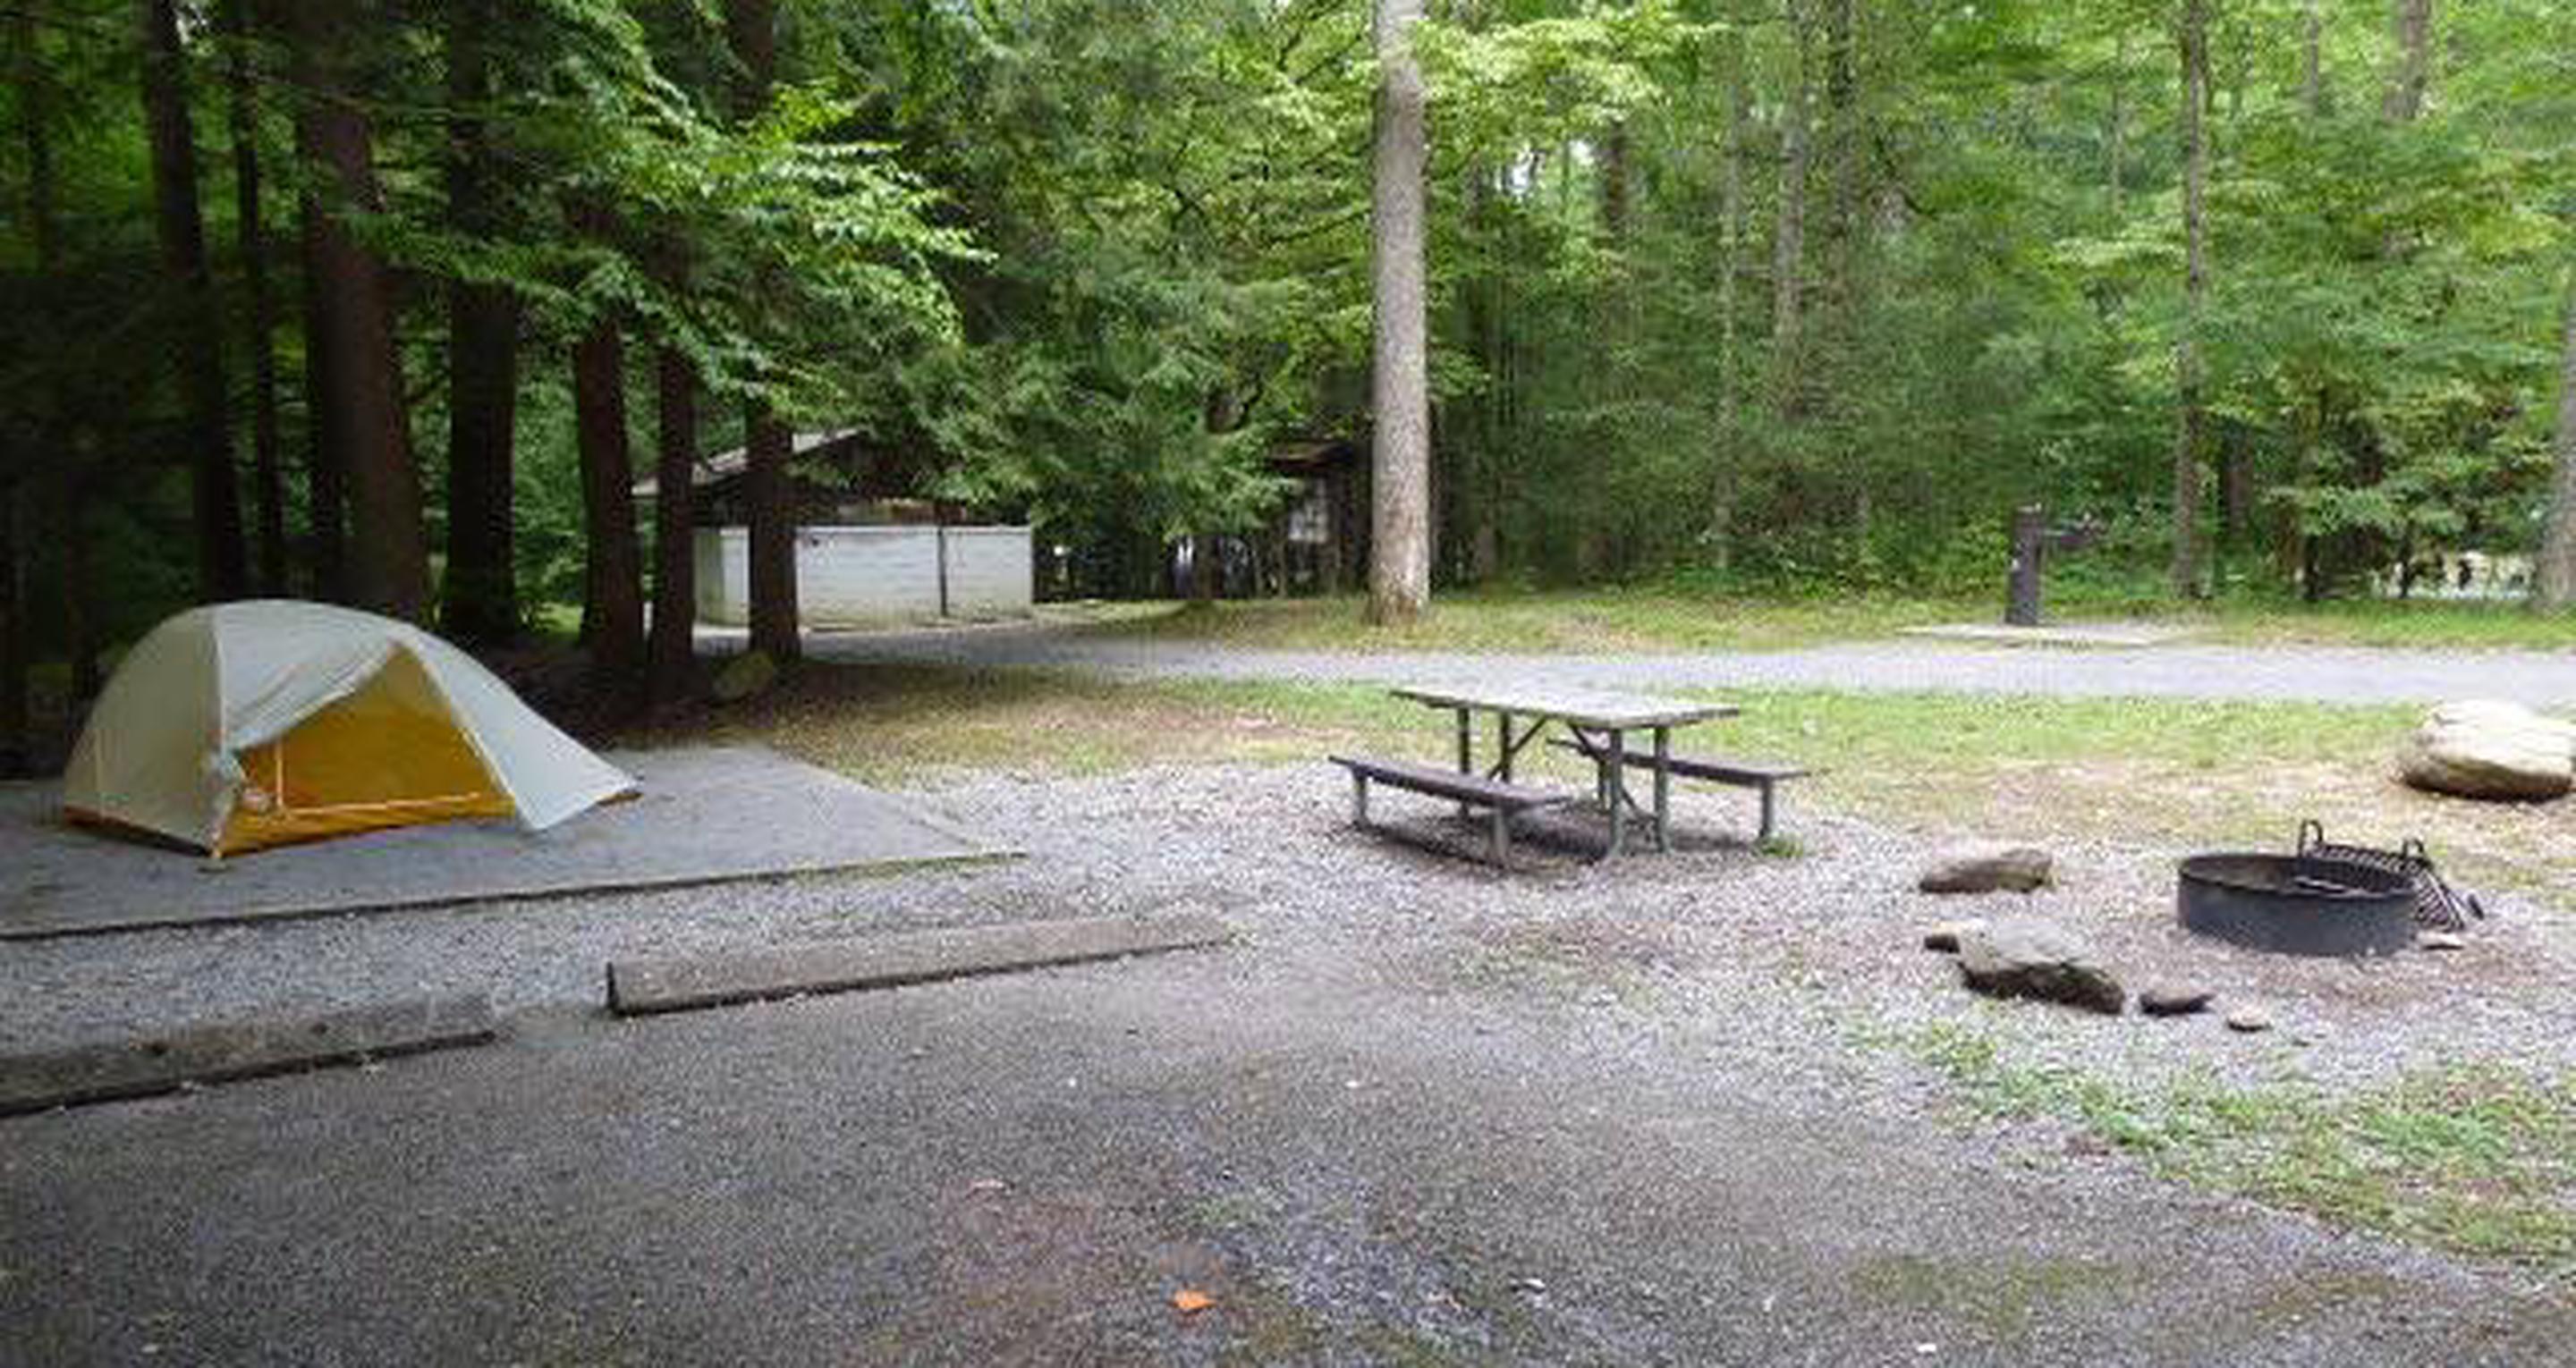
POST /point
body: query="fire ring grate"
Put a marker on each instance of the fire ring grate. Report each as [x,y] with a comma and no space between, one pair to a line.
[2297,905]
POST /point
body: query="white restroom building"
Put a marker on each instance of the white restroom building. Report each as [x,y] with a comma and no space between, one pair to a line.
[865,557]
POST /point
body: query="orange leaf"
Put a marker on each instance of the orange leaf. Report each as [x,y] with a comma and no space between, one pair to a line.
[1190,1299]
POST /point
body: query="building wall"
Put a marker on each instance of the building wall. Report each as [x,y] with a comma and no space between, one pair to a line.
[864,576]
[991,570]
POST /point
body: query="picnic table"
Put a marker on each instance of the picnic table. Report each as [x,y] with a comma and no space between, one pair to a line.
[1597,723]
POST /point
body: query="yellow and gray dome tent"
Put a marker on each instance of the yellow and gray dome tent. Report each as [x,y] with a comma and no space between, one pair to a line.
[255,724]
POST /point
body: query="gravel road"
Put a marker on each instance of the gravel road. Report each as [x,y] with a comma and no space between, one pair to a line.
[2180,670]
[1640,1112]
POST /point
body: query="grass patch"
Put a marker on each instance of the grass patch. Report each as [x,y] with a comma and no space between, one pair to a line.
[1644,621]
[1961,731]
[2481,1160]
[2004,1297]
[892,724]
[884,721]
[1569,623]
[2419,625]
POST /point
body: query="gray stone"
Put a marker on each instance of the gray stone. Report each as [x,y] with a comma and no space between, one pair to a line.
[2032,960]
[2174,999]
[221,1051]
[2491,750]
[1987,867]
[1944,936]
[2249,1020]
[745,676]
[640,986]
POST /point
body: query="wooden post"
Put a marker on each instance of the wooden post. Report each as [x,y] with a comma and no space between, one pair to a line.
[1618,791]
[2021,606]
[939,548]
[1663,789]
[1466,749]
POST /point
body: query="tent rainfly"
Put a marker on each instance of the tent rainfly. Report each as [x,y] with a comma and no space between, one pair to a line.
[246,725]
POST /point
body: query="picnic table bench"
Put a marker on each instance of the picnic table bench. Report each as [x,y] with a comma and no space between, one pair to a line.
[1501,800]
[1763,776]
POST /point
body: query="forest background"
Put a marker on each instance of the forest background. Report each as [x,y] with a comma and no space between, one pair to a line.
[388,303]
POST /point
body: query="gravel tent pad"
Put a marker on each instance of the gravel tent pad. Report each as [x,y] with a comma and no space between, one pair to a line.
[704,816]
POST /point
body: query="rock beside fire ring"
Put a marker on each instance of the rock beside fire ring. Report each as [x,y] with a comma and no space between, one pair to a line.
[1987,867]
[2484,749]
[2035,960]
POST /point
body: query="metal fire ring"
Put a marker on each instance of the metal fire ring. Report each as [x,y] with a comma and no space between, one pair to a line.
[2296,905]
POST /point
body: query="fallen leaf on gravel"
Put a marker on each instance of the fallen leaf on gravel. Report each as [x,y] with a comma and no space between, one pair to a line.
[1190,1299]
[987,1185]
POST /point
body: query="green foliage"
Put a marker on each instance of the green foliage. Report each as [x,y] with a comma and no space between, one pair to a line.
[1549,77]
[1986,319]
[1090,261]
[1173,235]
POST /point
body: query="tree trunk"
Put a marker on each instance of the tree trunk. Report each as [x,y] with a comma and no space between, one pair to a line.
[613,599]
[250,235]
[2235,485]
[2119,138]
[480,599]
[27,70]
[13,631]
[326,486]
[1207,569]
[2413,22]
[362,400]
[2556,578]
[1614,185]
[1334,554]
[207,429]
[1615,369]
[751,29]
[2312,61]
[35,132]
[1730,268]
[673,667]
[1846,250]
[1400,543]
[1789,235]
[71,484]
[1845,136]
[769,488]
[2188,437]
[480,594]
[2295,552]
[80,631]
[1479,431]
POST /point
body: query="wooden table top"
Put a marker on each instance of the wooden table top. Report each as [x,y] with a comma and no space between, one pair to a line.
[1593,708]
